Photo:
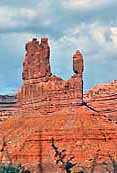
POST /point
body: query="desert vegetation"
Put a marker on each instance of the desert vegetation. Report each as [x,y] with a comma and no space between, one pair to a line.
[95,165]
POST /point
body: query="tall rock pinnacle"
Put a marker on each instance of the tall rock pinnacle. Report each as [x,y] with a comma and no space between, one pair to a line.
[78,66]
[36,63]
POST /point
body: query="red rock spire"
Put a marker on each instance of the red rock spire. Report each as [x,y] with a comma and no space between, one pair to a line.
[78,66]
[36,64]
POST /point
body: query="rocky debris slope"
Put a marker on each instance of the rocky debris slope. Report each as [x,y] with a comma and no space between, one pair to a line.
[43,92]
[79,131]
[103,99]
[8,106]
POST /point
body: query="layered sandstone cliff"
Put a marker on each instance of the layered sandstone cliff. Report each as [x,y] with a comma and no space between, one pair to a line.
[103,99]
[42,92]
[79,131]
[8,106]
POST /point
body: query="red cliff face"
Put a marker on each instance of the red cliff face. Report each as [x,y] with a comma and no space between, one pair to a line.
[79,131]
[42,92]
[8,106]
[103,98]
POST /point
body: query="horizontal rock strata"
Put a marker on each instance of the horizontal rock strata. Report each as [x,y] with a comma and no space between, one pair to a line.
[8,106]
[79,131]
[103,99]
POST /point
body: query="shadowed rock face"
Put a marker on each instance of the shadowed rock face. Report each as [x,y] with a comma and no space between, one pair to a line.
[103,98]
[42,92]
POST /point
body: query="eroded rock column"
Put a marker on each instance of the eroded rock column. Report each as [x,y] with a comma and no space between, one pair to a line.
[78,65]
[36,64]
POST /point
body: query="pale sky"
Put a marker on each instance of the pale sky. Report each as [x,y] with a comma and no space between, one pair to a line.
[88,25]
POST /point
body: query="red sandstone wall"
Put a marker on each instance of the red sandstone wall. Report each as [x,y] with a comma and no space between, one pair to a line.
[8,106]
[78,130]
[103,98]
[51,96]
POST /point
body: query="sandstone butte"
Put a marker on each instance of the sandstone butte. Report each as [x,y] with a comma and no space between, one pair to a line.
[50,107]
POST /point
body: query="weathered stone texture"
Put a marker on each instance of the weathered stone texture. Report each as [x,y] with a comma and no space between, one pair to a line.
[103,98]
[43,92]
[78,130]
[8,106]
[78,66]
[36,63]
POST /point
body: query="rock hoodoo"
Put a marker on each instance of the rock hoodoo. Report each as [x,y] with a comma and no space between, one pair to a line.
[43,92]
[36,64]
[78,63]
